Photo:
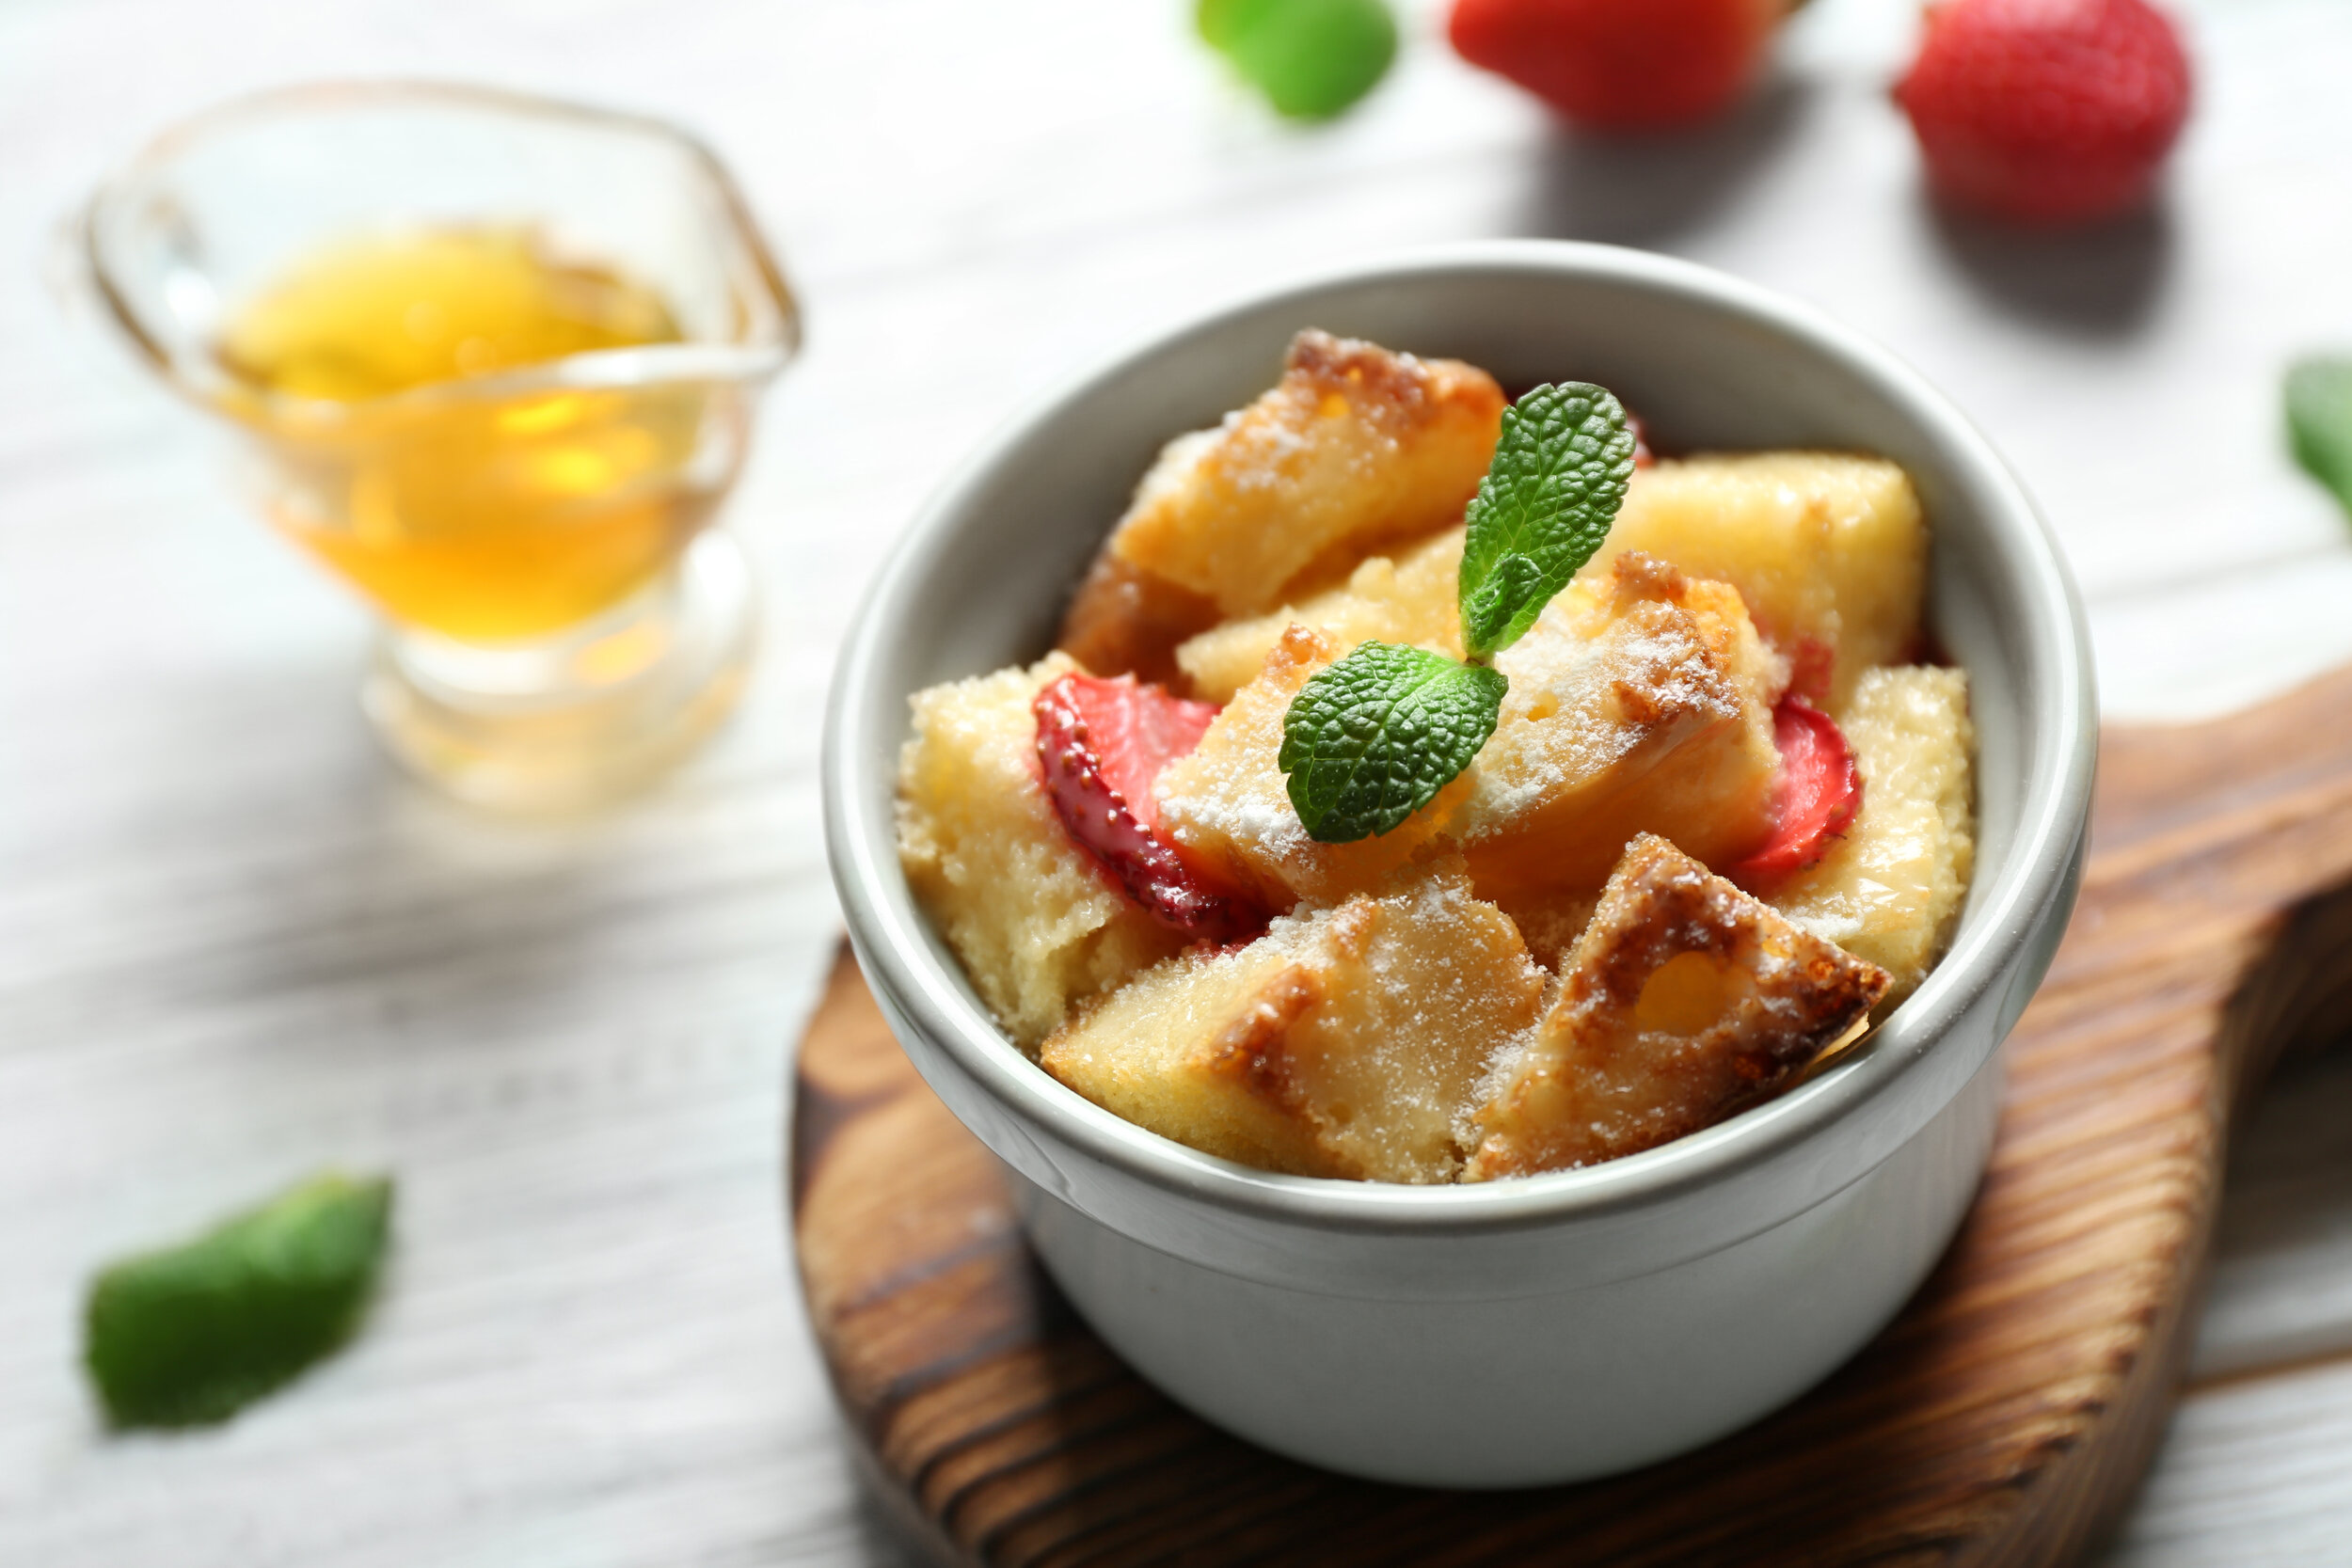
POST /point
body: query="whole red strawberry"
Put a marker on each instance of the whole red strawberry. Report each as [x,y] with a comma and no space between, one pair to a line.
[1621,65]
[2047,111]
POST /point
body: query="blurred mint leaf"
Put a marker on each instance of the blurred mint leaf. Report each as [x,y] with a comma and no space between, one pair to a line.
[1312,58]
[1558,477]
[1372,740]
[194,1333]
[2319,422]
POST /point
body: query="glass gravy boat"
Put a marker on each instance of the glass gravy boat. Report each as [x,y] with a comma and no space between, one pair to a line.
[560,623]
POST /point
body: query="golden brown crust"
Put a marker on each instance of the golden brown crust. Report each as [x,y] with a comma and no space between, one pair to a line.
[1635,576]
[1395,388]
[1641,702]
[1243,1093]
[1127,621]
[1259,1053]
[1397,394]
[1685,1002]
[1354,449]
[1252,1050]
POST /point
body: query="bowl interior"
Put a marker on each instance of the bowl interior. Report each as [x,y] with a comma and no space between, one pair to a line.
[1707,362]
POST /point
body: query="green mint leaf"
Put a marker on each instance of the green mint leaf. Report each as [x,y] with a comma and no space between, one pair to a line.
[1558,477]
[194,1333]
[2319,422]
[1510,583]
[1372,740]
[1312,58]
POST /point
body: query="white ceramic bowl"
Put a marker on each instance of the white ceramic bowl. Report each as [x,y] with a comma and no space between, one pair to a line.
[1560,1326]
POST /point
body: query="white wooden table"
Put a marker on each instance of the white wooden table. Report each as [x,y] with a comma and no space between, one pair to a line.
[234,947]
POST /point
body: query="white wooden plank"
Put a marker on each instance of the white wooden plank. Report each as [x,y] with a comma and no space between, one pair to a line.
[2282,1267]
[2254,1467]
[2247,630]
[2253,1473]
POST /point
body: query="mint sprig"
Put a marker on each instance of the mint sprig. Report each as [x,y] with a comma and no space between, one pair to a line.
[1558,477]
[1372,740]
[194,1333]
[2319,422]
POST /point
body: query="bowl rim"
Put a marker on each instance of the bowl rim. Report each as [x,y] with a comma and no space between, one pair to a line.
[902,964]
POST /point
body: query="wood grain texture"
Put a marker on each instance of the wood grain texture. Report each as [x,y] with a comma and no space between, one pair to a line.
[2005,1417]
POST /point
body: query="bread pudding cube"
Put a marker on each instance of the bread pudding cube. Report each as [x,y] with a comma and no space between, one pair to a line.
[1410,598]
[1685,1000]
[1640,703]
[1125,621]
[1035,921]
[1228,805]
[1347,1041]
[1825,548]
[1553,924]
[1353,449]
[1890,888]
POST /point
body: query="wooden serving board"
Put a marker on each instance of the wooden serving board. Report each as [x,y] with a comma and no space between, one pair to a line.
[2003,1419]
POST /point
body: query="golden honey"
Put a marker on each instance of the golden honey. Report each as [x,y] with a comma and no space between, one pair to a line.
[466,498]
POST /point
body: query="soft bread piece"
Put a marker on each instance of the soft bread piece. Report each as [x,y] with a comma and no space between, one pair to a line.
[1353,449]
[1685,1000]
[1890,890]
[1821,546]
[1640,703]
[1124,621]
[1410,598]
[1824,547]
[1551,926]
[1345,1042]
[1035,921]
[1228,804]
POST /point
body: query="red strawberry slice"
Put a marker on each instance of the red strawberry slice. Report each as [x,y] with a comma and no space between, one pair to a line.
[1819,791]
[1137,730]
[1100,743]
